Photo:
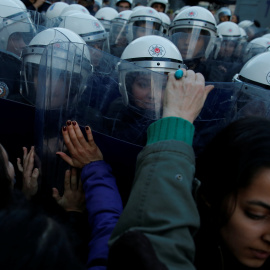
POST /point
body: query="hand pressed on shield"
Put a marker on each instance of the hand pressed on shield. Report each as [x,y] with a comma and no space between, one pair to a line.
[185,97]
[30,176]
[73,198]
[82,152]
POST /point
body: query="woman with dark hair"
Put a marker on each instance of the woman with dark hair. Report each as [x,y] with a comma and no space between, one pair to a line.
[234,198]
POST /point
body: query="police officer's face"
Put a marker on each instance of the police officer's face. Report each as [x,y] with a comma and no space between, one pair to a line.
[158,7]
[123,6]
[16,43]
[144,29]
[189,46]
[224,18]
[227,48]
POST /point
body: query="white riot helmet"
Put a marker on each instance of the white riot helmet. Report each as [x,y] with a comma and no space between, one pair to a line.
[20,4]
[194,32]
[144,21]
[138,7]
[256,72]
[164,3]
[88,28]
[155,53]
[69,54]
[266,36]
[55,10]
[245,23]
[16,27]
[221,13]
[166,22]
[75,7]
[244,35]
[256,46]
[229,30]
[105,15]
[231,38]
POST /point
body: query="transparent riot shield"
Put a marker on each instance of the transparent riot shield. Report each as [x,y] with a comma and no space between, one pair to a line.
[194,43]
[37,18]
[59,88]
[118,37]
[225,60]
[118,116]
[226,103]
[253,48]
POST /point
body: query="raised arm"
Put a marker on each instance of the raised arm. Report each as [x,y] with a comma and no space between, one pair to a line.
[161,203]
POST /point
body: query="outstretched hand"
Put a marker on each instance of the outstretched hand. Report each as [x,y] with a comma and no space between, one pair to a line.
[82,152]
[30,175]
[73,198]
[185,97]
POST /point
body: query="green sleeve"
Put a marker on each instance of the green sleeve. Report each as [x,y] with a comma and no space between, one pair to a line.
[170,128]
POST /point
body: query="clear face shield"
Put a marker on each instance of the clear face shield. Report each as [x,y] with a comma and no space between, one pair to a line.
[142,90]
[192,42]
[253,49]
[226,103]
[144,28]
[106,24]
[16,32]
[98,40]
[145,92]
[228,48]
[118,34]
[65,68]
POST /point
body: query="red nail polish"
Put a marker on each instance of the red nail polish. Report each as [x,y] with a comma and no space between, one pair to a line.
[68,123]
[64,128]
[87,128]
[73,123]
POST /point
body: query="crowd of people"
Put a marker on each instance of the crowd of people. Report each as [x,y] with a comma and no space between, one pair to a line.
[147,141]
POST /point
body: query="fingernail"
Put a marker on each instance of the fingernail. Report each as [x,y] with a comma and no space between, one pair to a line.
[87,128]
[74,123]
[64,128]
[68,123]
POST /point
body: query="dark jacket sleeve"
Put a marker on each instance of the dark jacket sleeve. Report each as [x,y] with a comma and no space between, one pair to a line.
[161,204]
[104,207]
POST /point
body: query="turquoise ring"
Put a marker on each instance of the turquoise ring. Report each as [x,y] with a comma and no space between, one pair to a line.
[178,74]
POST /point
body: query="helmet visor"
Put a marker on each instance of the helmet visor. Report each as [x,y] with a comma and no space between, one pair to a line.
[192,42]
[145,28]
[16,33]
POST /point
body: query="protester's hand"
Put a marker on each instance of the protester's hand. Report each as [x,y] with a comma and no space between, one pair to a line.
[38,3]
[73,198]
[185,97]
[30,175]
[82,152]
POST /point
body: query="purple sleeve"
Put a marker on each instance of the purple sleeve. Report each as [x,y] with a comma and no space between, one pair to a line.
[104,207]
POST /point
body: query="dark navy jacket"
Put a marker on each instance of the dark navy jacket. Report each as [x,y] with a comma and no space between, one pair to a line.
[104,207]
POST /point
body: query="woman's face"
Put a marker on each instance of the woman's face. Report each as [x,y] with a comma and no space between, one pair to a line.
[147,92]
[9,165]
[247,233]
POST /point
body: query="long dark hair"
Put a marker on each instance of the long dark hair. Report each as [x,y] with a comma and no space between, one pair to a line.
[230,162]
